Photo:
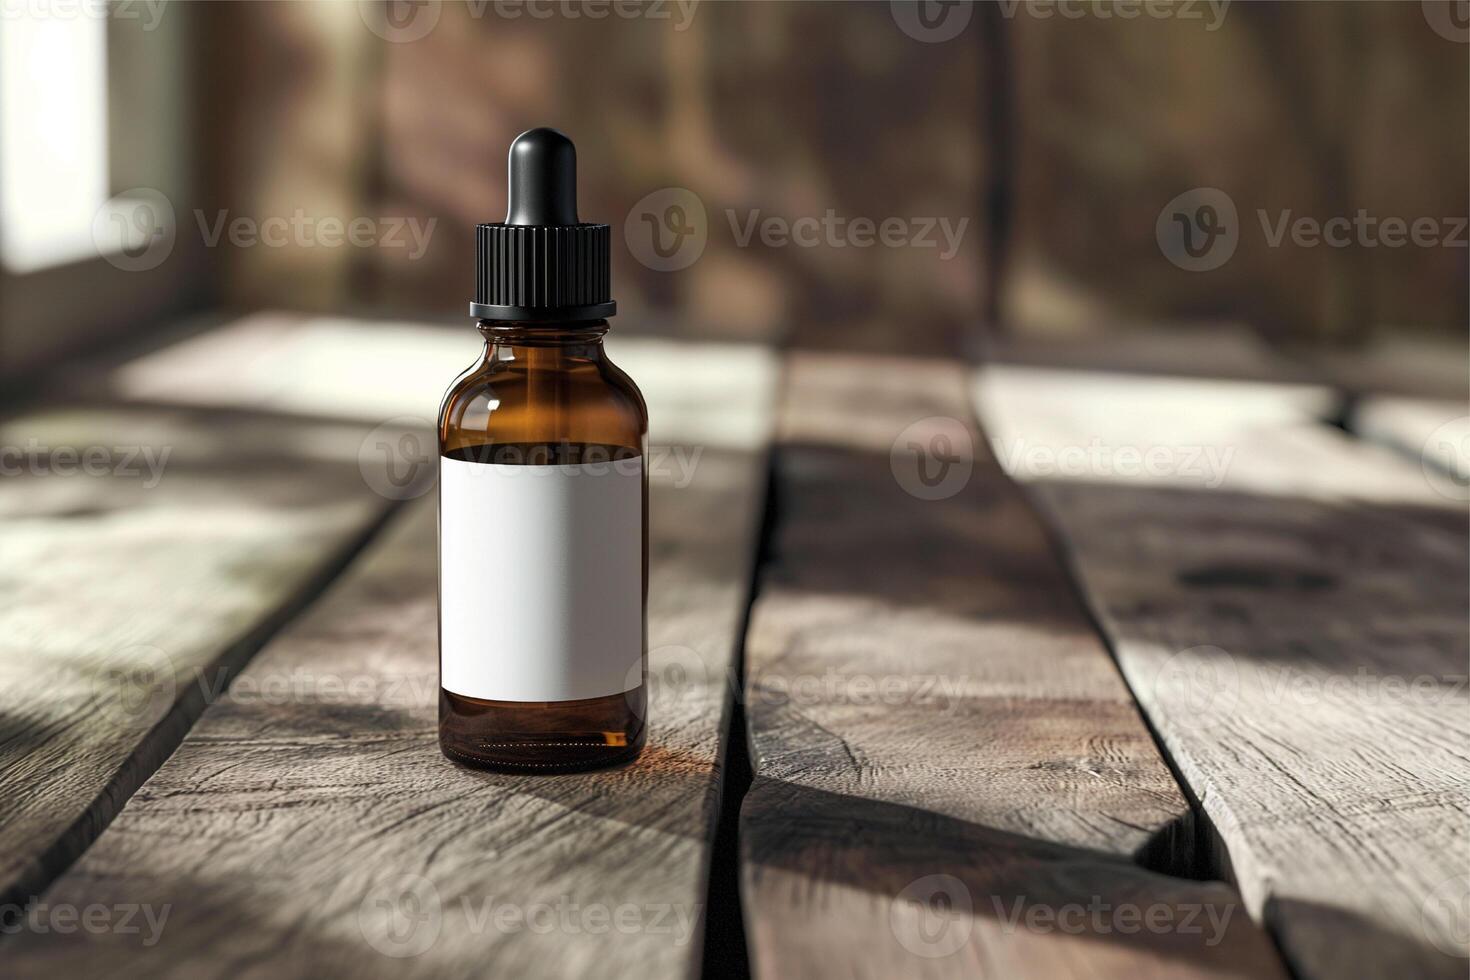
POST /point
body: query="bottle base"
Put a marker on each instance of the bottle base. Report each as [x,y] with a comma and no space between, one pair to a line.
[568,736]
[529,757]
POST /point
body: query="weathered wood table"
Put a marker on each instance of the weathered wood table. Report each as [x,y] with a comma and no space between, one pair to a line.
[1084,663]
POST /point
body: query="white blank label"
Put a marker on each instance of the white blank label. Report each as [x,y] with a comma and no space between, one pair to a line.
[540,579]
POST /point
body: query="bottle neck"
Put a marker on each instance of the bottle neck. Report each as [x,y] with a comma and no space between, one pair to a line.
[543,343]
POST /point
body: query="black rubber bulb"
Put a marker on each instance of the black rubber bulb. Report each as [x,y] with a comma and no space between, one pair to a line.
[543,179]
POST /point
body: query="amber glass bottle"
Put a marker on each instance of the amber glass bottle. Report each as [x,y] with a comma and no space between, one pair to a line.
[543,499]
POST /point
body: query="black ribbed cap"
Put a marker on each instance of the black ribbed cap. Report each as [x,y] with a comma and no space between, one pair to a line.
[541,263]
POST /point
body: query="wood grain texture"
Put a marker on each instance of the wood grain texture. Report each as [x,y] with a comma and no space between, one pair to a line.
[1296,633]
[143,556]
[944,754]
[309,825]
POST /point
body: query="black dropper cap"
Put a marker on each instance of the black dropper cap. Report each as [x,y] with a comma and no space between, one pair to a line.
[541,263]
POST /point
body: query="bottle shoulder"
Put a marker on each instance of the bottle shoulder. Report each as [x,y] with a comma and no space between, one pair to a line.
[506,382]
[592,401]
[619,379]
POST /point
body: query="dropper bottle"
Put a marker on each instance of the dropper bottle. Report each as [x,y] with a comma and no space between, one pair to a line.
[543,498]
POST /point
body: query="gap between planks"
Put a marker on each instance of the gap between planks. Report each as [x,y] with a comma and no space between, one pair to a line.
[1236,604]
[293,835]
[945,757]
[124,593]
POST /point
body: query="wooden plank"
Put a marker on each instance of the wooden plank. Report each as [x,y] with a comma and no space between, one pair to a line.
[1410,393]
[1407,393]
[322,366]
[1261,437]
[340,368]
[948,770]
[309,826]
[144,555]
[1295,631]
[1398,362]
[1432,433]
[1185,349]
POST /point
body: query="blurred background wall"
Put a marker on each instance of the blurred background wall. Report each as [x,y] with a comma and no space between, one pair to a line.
[1307,109]
[1048,139]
